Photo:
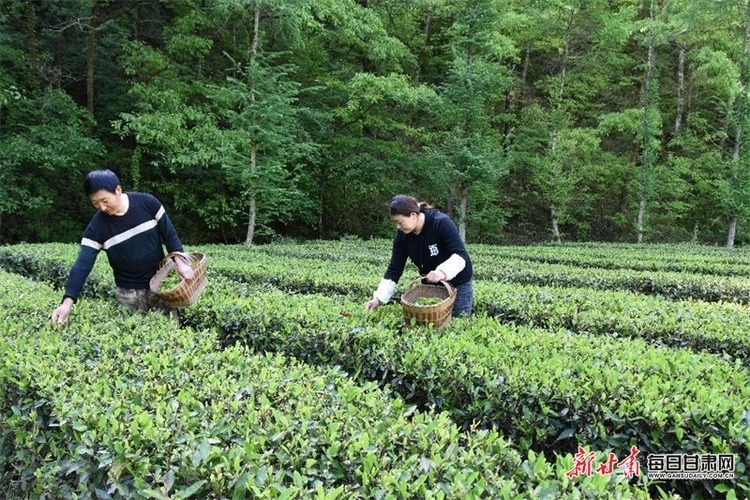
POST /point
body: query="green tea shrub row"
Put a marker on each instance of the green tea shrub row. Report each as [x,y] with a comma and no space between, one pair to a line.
[672,285]
[550,390]
[116,405]
[371,252]
[652,258]
[51,263]
[656,252]
[343,277]
[682,258]
[719,328]
[303,275]
[689,259]
[312,276]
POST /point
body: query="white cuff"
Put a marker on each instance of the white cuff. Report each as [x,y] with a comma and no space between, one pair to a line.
[385,291]
[451,267]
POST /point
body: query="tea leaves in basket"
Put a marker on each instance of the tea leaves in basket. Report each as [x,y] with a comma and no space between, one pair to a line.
[427,301]
[170,281]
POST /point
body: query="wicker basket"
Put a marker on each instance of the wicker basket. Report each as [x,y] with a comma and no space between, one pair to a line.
[438,314]
[186,291]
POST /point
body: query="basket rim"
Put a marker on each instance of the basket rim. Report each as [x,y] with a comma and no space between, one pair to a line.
[417,283]
[438,314]
[185,292]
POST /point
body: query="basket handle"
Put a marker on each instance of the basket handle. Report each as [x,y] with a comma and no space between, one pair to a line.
[169,262]
[415,282]
[185,255]
[451,288]
[418,281]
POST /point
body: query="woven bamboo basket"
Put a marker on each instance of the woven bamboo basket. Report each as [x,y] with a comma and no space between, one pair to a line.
[185,292]
[438,314]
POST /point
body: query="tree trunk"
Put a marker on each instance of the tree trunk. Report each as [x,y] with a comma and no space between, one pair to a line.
[732,231]
[555,226]
[321,204]
[641,218]
[90,52]
[553,214]
[425,40]
[250,222]
[30,28]
[254,144]
[463,202]
[449,202]
[647,152]
[136,21]
[526,63]
[742,114]
[680,89]
[554,133]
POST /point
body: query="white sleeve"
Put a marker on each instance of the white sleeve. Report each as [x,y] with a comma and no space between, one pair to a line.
[451,267]
[385,291]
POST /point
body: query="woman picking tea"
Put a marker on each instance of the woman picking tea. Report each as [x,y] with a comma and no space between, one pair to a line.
[429,238]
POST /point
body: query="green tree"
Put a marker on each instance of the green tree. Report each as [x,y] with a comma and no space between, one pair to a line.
[578,33]
[366,110]
[469,143]
[221,108]
[44,141]
[44,151]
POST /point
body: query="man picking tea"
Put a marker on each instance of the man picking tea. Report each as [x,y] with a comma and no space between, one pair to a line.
[131,228]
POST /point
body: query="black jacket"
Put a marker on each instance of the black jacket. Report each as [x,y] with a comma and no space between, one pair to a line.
[435,243]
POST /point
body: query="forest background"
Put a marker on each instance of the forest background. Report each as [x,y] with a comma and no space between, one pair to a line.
[525,120]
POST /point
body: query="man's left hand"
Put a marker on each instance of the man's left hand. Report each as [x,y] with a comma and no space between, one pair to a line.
[184,269]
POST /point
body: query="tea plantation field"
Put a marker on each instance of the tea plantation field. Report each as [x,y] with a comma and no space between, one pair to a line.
[583,366]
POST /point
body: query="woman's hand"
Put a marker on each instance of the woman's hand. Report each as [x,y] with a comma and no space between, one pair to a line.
[372,304]
[435,276]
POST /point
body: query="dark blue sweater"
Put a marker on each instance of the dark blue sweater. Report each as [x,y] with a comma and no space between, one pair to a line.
[435,243]
[133,243]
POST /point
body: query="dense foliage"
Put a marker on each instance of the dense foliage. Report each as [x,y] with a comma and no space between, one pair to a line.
[492,406]
[254,119]
[116,405]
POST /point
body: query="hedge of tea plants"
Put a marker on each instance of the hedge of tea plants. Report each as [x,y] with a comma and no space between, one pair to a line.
[692,259]
[551,367]
[355,272]
[347,270]
[720,328]
[115,405]
[545,389]
[685,259]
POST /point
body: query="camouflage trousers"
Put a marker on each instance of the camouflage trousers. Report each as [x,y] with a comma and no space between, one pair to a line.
[143,300]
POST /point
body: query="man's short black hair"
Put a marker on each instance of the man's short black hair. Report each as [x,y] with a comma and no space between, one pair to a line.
[96,180]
